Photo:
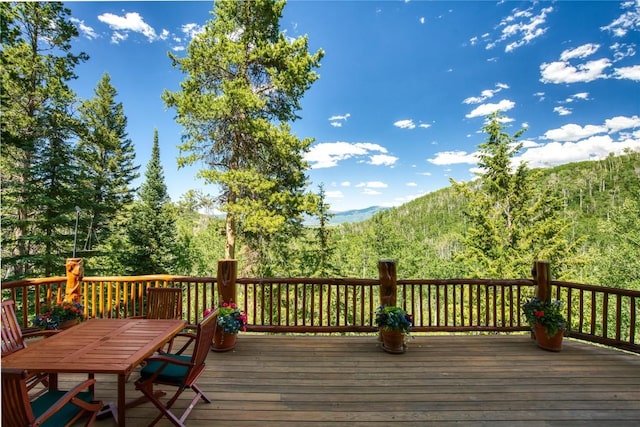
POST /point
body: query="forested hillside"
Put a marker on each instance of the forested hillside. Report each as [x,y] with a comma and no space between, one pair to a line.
[600,199]
[68,169]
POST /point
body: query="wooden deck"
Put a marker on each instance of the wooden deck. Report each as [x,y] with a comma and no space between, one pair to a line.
[489,380]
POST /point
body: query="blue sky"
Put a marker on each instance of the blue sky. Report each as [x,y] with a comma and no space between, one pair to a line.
[404,88]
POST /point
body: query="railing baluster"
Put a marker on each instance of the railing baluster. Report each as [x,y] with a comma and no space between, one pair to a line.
[307,304]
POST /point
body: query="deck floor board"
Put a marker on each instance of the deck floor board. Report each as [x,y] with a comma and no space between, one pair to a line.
[483,380]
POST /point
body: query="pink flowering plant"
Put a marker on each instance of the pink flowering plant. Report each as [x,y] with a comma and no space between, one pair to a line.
[230,318]
[548,314]
[53,316]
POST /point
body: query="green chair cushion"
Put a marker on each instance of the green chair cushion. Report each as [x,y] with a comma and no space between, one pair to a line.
[64,415]
[172,374]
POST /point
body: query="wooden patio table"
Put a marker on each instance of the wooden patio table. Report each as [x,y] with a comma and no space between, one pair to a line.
[107,346]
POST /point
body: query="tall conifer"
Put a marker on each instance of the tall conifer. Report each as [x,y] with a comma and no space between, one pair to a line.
[151,231]
[514,218]
[245,79]
[38,195]
[107,156]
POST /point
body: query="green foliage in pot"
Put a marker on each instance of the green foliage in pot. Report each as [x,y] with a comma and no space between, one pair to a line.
[53,316]
[393,318]
[547,314]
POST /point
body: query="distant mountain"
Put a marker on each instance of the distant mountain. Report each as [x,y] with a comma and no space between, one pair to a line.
[341,217]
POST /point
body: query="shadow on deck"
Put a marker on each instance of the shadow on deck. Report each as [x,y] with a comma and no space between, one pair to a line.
[297,381]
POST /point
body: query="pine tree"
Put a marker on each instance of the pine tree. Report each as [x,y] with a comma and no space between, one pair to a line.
[37,167]
[151,230]
[513,218]
[244,84]
[107,157]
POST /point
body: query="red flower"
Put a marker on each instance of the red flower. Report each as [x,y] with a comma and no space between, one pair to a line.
[539,313]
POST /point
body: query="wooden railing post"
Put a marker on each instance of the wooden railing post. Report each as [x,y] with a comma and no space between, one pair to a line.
[542,277]
[388,282]
[75,274]
[227,275]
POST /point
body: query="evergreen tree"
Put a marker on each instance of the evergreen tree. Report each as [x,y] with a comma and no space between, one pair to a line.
[619,265]
[244,84]
[36,166]
[511,222]
[107,156]
[151,230]
[325,245]
[200,241]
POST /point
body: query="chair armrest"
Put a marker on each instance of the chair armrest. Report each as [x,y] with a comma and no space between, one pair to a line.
[68,397]
[191,337]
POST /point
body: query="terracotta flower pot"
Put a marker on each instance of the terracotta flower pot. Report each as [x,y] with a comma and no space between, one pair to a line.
[552,343]
[223,341]
[393,341]
[69,323]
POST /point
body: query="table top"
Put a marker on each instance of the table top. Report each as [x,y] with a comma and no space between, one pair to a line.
[112,346]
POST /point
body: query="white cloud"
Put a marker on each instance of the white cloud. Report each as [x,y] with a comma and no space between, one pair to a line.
[595,147]
[345,184]
[411,184]
[382,160]
[521,27]
[118,37]
[336,124]
[191,30]
[573,132]
[424,125]
[563,72]
[628,21]
[486,109]
[131,21]
[84,29]
[485,94]
[328,154]
[622,50]
[405,124]
[619,123]
[631,73]
[580,52]
[344,117]
[453,157]
[562,111]
[372,184]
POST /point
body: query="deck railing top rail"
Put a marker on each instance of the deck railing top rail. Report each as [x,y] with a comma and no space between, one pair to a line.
[323,305]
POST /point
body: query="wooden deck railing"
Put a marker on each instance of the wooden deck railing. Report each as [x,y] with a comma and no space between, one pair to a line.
[603,315]
[341,305]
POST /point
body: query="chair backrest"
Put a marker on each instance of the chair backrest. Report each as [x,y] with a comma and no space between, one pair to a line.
[202,345]
[16,410]
[164,303]
[12,340]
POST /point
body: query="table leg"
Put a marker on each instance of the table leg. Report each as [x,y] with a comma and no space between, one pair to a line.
[122,406]
[53,381]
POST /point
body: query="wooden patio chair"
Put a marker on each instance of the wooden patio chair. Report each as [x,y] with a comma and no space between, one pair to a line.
[54,408]
[178,370]
[13,339]
[164,303]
